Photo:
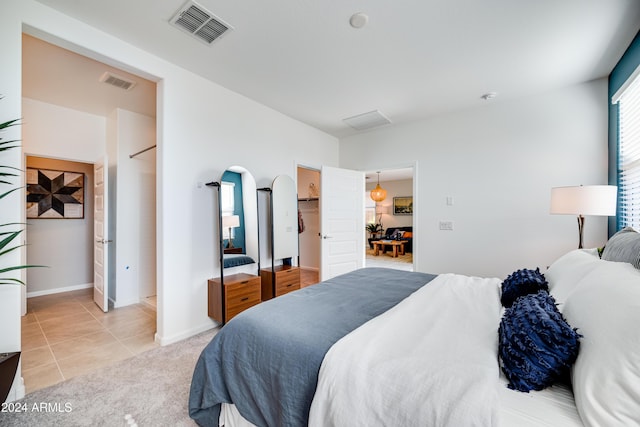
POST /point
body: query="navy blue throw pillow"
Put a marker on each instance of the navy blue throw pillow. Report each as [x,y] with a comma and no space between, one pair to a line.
[536,344]
[522,282]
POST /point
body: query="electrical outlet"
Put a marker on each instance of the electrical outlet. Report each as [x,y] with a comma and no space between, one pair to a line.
[446,225]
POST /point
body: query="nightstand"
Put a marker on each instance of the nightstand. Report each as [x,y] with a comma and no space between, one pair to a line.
[283,279]
[233,250]
[241,291]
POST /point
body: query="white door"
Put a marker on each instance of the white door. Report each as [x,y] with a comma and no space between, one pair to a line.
[341,221]
[100,241]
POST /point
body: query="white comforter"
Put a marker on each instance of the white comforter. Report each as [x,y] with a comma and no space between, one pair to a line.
[429,361]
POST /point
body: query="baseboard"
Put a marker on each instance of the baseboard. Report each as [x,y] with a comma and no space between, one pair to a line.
[118,303]
[184,335]
[58,290]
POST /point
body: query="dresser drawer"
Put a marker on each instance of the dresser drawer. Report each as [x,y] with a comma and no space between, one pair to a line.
[283,279]
[287,281]
[242,295]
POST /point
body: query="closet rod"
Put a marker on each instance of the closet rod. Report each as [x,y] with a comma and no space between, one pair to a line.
[131,156]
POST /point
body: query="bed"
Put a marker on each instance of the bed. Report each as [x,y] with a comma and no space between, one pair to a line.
[387,347]
[236,260]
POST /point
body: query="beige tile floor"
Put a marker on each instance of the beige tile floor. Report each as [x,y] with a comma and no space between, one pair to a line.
[66,334]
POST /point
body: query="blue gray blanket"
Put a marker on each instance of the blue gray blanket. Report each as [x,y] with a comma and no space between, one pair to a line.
[267,359]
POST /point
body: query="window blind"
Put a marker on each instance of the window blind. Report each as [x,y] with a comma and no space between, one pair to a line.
[629,155]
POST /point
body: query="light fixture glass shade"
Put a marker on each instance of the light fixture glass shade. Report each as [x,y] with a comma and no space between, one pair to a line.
[598,200]
[231,221]
[378,194]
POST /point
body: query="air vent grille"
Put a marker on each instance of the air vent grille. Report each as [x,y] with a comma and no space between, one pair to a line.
[199,22]
[367,120]
[117,81]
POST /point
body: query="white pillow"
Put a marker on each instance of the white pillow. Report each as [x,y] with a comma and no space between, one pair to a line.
[564,274]
[605,308]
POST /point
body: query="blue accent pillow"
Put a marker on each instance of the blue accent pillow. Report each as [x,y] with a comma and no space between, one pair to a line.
[535,343]
[522,282]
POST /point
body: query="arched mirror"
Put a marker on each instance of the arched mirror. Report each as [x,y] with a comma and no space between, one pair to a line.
[285,217]
[238,287]
[285,276]
[239,222]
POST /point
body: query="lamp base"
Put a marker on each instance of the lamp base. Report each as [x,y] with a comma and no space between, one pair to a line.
[580,230]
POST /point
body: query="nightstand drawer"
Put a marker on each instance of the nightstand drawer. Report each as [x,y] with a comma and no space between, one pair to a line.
[284,288]
[283,279]
[241,291]
[241,296]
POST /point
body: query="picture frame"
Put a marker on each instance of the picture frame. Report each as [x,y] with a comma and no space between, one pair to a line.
[403,205]
[53,194]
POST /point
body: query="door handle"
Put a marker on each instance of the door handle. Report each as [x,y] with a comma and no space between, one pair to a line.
[103,241]
[327,237]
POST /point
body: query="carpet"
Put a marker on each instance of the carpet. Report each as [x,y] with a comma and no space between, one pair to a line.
[150,389]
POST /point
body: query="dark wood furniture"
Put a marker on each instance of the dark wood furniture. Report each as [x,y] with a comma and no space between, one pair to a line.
[8,369]
[283,279]
[233,250]
[397,245]
[240,292]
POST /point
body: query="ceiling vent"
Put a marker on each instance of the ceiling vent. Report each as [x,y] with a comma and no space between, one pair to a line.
[199,22]
[117,81]
[367,120]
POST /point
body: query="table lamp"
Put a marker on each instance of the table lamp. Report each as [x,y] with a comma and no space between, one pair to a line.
[230,221]
[597,200]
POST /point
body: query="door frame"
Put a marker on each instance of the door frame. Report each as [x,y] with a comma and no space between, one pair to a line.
[414,168]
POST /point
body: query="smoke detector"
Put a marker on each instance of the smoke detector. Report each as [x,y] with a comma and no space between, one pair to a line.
[199,22]
[117,81]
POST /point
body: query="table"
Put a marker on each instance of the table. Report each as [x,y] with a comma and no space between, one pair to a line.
[397,245]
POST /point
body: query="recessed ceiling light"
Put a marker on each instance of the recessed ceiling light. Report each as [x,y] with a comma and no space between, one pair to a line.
[488,96]
[358,20]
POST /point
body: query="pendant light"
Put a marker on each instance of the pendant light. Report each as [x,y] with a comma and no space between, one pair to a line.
[378,194]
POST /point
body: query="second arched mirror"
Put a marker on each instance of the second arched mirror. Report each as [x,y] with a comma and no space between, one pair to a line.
[285,276]
[285,217]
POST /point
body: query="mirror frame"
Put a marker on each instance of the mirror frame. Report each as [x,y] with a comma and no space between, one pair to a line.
[284,218]
[250,210]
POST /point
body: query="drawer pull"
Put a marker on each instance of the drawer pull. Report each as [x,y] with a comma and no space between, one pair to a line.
[289,285]
[245,299]
[244,283]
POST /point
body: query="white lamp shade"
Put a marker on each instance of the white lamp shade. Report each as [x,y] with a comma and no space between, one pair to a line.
[230,221]
[598,200]
[380,209]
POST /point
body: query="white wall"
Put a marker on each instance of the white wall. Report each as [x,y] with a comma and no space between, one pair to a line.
[499,163]
[197,140]
[11,207]
[58,132]
[135,234]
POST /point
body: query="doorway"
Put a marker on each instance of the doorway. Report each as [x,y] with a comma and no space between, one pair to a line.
[81,119]
[390,219]
[308,181]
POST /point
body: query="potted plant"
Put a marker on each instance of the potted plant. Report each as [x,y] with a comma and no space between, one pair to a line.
[373,229]
[8,235]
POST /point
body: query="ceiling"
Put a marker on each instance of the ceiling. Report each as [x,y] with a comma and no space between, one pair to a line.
[413,59]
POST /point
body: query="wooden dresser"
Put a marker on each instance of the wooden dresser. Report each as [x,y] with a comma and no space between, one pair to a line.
[283,279]
[240,292]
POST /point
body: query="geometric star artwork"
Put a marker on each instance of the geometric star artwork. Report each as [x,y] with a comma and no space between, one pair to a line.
[54,194]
